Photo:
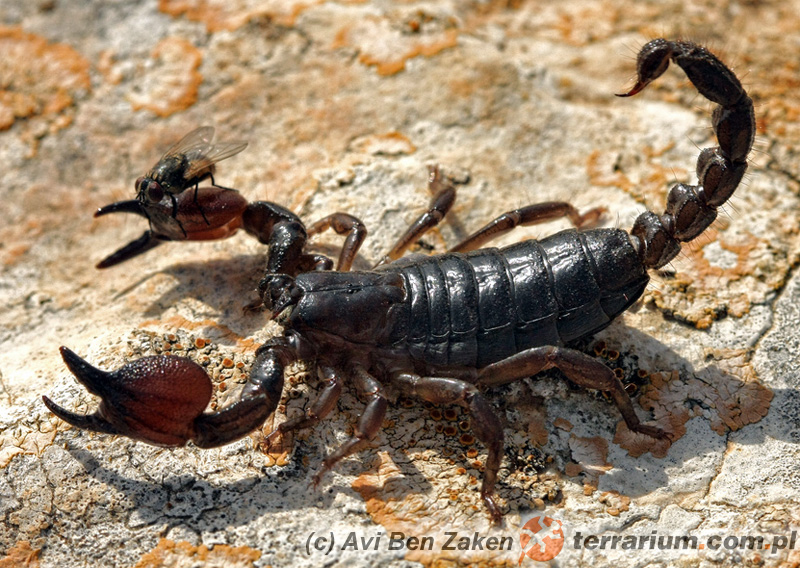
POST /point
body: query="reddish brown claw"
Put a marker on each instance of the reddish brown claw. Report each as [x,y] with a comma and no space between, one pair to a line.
[153,399]
[160,400]
[198,215]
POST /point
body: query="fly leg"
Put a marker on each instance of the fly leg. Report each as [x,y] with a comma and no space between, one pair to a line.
[174,201]
[485,423]
[578,368]
[203,213]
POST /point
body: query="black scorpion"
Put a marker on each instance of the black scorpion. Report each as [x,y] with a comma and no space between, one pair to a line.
[440,328]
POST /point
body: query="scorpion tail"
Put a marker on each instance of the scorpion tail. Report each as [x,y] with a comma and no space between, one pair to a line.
[691,209]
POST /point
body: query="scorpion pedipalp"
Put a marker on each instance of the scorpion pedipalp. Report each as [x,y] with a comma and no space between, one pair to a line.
[160,399]
[154,399]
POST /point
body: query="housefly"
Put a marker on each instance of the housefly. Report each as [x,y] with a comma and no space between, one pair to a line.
[191,160]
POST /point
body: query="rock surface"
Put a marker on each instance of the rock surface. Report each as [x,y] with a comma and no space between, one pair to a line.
[344,105]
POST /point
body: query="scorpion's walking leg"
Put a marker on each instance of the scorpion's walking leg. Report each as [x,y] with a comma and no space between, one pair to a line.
[319,409]
[578,368]
[485,423]
[343,224]
[442,202]
[526,216]
[369,424]
[444,195]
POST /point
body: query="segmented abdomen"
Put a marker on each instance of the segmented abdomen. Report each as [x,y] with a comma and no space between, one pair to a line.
[477,308]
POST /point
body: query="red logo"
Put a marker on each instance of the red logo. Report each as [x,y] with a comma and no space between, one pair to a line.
[541,538]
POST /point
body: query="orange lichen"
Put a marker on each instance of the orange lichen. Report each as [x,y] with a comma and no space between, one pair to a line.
[387,49]
[393,501]
[701,292]
[21,556]
[563,424]
[729,400]
[171,84]
[170,553]
[242,344]
[389,144]
[38,78]
[614,502]
[219,15]
[537,427]
[602,172]
[705,276]
[591,454]
[105,64]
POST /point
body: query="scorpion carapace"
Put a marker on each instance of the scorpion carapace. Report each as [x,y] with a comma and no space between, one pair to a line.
[439,328]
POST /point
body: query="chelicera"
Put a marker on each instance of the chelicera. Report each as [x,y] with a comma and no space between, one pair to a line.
[440,328]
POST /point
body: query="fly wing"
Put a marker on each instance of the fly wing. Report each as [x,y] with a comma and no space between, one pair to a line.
[197,142]
[215,153]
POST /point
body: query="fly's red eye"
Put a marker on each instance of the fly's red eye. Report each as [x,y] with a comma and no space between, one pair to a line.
[139,182]
[153,192]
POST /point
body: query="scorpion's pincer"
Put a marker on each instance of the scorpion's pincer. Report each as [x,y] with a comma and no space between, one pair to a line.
[155,399]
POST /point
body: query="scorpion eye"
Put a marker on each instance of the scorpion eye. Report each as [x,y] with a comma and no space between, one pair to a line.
[153,192]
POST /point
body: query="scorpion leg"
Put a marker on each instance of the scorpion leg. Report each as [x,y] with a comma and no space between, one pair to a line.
[691,209]
[444,195]
[319,409]
[485,423]
[343,224]
[526,216]
[578,368]
[443,199]
[369,424]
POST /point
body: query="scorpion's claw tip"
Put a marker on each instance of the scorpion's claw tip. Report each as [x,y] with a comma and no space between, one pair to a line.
[637,88]
[91,377]
[92,422]
[129,206]
[147,241]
